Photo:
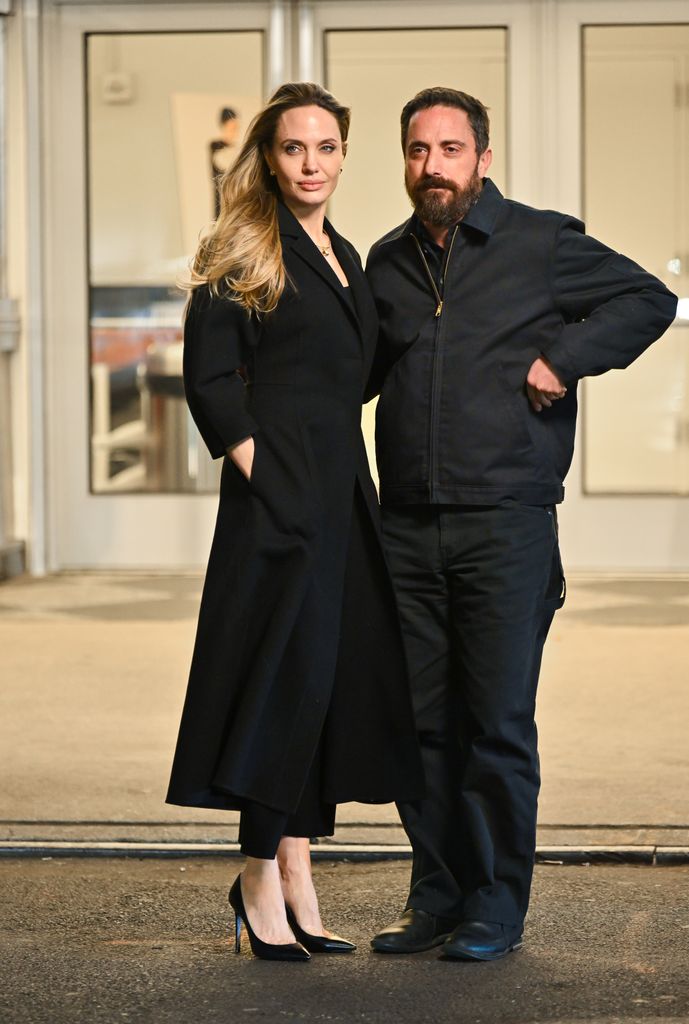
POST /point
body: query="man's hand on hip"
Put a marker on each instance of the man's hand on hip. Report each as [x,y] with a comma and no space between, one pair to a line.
[543,386]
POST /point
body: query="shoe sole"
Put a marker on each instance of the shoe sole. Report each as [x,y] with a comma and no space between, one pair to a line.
[484,959]
[410,949]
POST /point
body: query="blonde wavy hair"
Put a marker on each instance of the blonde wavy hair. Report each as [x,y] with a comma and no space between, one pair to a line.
[242,254]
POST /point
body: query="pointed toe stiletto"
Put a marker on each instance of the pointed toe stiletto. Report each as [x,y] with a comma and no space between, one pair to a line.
[264,950]
[318,943]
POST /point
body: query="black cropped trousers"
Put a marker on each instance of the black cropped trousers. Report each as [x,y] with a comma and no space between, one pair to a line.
[477,587]
[261,828]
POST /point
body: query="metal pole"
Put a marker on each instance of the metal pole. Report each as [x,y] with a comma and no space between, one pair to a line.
[11,551]
[34,328]
[276,71]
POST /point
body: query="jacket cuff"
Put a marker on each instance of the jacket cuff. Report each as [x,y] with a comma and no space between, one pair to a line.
[560,359]
[238,429]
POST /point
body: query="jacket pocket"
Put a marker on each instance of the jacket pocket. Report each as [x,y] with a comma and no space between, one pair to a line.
[517,408]
[556,590]
[251,480]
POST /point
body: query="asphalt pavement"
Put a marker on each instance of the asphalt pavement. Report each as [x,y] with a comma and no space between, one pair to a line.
[139,941]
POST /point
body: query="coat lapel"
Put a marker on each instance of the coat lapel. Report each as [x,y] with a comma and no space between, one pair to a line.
[301,245]
[363,306]
[353,272]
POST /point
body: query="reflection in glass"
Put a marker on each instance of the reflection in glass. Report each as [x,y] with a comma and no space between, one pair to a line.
[166,113]
[636,169]
[376,72]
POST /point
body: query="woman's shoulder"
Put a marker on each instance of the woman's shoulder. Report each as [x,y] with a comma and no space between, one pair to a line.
[215,299]
[209,310]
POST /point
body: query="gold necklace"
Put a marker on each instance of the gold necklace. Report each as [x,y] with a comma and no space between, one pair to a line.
[325,249]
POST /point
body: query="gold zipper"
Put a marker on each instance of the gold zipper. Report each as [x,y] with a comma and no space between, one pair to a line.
[434,382]
[439,307]
[438,298]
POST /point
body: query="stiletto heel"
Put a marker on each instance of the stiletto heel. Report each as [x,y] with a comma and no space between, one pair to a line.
[237,933]
[317,943]
[264,950]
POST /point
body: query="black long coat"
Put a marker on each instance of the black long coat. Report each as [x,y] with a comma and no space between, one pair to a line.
[298,642]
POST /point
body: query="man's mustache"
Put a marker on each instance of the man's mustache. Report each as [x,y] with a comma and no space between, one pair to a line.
[428,183]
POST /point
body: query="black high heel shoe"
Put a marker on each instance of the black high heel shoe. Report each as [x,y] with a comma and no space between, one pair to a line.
[318,943]
[264,950]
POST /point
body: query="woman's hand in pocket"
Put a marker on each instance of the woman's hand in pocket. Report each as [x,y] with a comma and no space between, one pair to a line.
[242,454]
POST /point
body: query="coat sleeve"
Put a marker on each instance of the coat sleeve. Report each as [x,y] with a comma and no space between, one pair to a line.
[217,340]
[612,309]
[382,359]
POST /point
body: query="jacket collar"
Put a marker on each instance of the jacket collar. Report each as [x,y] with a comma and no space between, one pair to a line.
[484,213]
[481,217]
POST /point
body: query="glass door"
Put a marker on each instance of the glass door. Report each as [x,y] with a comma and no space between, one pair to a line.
[622,141]
[146,107]
[165,114]
[636,133]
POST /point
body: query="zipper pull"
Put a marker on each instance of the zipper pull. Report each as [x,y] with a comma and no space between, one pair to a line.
[439,309]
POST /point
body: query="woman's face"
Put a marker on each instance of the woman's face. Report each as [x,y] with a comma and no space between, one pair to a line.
[306,156]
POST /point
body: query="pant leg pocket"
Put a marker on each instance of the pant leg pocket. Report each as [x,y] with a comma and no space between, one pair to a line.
[556,590]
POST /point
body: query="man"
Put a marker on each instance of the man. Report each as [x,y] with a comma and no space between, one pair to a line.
[491,312]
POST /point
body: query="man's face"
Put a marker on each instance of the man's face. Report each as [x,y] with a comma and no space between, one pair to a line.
[443,172]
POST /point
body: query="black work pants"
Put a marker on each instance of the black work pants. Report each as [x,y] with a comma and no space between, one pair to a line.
[477,588]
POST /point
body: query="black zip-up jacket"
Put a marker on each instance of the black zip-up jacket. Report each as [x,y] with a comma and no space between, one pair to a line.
[454,424]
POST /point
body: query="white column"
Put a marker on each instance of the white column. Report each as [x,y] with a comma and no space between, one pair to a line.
[34,332]
[306,64]
[277,70]
[11,551]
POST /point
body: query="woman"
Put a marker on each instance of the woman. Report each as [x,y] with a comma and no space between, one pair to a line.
[298,697]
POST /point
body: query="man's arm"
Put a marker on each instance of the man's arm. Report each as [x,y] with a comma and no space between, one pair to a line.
[612,309]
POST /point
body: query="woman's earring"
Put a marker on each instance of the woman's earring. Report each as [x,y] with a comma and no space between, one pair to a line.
[272,174]
[341,169]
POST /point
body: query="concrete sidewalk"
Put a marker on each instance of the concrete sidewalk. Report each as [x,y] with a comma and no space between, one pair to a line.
[93,676]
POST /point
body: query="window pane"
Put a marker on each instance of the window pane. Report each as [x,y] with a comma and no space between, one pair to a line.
[636,170]
[166,112]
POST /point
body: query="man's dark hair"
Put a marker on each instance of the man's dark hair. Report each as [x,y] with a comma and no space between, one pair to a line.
[439,96]
[227,114]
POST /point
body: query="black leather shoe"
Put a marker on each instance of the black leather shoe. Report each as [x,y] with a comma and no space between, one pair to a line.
[413,933]
[482,940]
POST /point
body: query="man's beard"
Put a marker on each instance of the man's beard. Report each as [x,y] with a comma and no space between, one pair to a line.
[439,209]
